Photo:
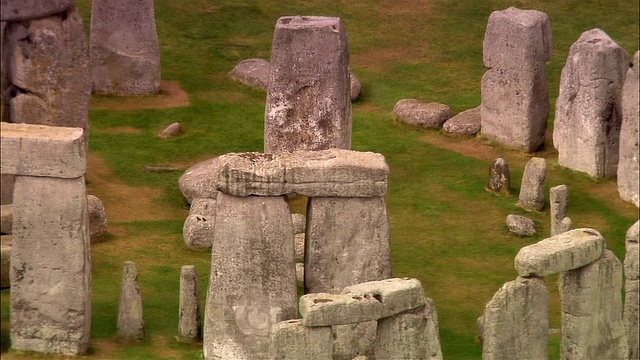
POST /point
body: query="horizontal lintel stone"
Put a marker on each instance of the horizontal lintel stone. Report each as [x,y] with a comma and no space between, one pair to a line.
[324,309]
[39,150]
[396,295]
[566,251]
[326,173]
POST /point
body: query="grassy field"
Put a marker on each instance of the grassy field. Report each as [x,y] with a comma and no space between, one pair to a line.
[446,230]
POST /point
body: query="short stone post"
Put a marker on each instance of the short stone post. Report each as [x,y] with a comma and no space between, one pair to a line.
[189,321]
[130,321]
[629,162]
[499,176]
[631,290]
[308,95]
[558,198]
[532,186]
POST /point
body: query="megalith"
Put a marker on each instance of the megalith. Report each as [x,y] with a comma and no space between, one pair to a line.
[31,9]
[515,99]
[631,290]
[516,321]
[588,112]
[291,339]
[125,55]
[628,165]
[591,298]
[308,104]
[532,186]
[558,199]
[252,284]
[189,321]
[130,320]
[499,176]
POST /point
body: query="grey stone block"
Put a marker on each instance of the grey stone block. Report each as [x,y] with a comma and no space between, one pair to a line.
[324,309]
[290,339]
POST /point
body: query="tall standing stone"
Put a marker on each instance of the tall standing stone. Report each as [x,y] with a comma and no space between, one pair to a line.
[130,321]
[558,198]
[125,55]
[588,110]
[591,298]
[347,243]
[532,186]
[631,291]
[189,321]
[252,284]
[516,321]
[499,176]
[515,100]
[308,103]
[628,165]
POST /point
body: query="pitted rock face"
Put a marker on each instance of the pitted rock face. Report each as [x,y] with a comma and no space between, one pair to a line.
[11,10]
[499,176]
[629,162]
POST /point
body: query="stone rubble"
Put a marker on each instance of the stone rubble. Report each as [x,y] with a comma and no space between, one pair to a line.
[558,199]
[189,321]
[499,176]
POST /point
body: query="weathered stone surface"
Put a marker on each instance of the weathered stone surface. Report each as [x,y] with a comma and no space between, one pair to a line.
[308,96]
[532,186]
[170,131]
[130,320]
[125,55]
[409,335]
[31,9]
[6,219]
[516,321]
[347,243]
[299,223]
[628,165]
[351,340]
[38,150]
[515,100]
[290,339]
[521,225]
[499,176]
[197,231]
[50,266]
[396,295]
[298,240]
[586,129]
[300,275]
[631,299]
[558,198]
[333,172]
[189,321]
[413,112]
[253,72]
[199,181]
[252,284]
[563,252]
[204,207]
[565,225]
[97,219]
[591,318]
[47,77]
[465,123]
[6,188]
[5,260]
[324,309]
[355,88]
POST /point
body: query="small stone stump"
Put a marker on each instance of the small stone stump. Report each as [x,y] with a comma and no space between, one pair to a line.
[499,176]
[532,186]
[465,123]
[130,321]
[189,321]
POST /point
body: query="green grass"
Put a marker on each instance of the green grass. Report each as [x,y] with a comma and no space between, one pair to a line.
[446,229]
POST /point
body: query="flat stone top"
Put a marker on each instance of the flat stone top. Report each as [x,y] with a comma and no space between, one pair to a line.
[297,22]
[527,18]
[29,131]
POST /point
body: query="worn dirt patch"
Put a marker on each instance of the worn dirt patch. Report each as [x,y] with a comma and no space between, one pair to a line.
[122,130]
[171,95]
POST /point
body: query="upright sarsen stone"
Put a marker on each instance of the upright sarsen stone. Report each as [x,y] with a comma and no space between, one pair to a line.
[515,100]
[532,186]
[125,55]
[130,320]
[252,284]
[588,113]
[308,103]
[629,164]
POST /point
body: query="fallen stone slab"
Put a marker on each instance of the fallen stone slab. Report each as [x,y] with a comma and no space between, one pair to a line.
[333,172]
[323,309]
[465,123]
[396,295]
[563,252]
[414,112]
[199,181]
[291,339]
[39,150]
[521,225]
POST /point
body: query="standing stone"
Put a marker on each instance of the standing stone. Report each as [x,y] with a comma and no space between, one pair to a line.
[516,321]
[252,285]
[130,322]
[558,198]
[292,340]
[532,186]
[631,291]
[97,219]
[409,335]
[47,71]
[588,110]
[189,322]
[499,176]
[125,56]
[591,298]
[628,166]
[347,243]
[515,100]
[50,266]
[308,96]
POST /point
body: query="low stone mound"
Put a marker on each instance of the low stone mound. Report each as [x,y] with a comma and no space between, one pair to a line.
[413,112]
[465,123]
